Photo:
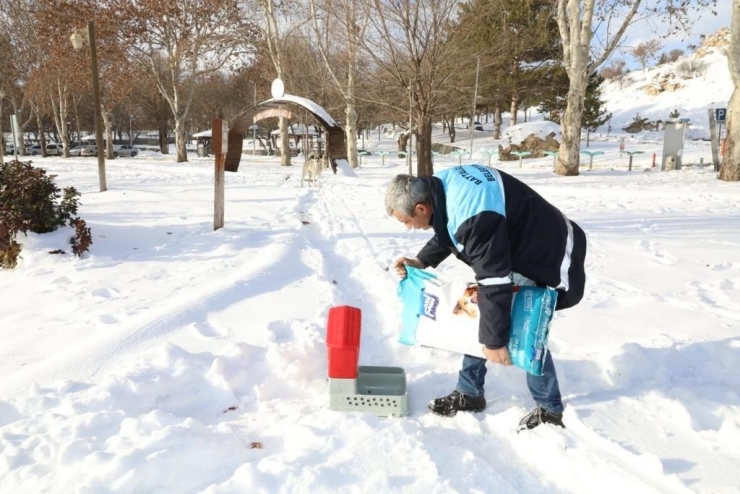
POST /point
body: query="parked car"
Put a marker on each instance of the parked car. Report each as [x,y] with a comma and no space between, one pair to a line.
[124,150]
[54,149]
[34,150]
[89,151]
[476,126]
[9,149]
[76,150]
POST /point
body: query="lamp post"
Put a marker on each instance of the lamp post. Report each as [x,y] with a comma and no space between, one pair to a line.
[2,136]
[475,100]
[77,43]
[408,155]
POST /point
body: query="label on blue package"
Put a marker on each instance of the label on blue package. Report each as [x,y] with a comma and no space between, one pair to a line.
[430,303]
[451,318]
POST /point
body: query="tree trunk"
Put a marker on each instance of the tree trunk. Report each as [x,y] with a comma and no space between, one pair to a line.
[284,143]
[59,109]
[351,129]
[78,140]
[575,32]
[2,135]
[570,126]
[497,120]
[108,135]
[403,141]
[42,134]
[452,129]
[514,109]
[729,169]
[19,134]
[21,127]
[164,144]
[351,132]
[424,167]
[181,140]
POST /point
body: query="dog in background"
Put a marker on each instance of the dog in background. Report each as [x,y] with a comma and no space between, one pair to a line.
[312,171]
[468,303]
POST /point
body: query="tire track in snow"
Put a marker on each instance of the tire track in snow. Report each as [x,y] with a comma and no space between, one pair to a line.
[106,348]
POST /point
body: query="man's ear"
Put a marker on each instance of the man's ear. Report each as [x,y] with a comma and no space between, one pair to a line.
[422,208]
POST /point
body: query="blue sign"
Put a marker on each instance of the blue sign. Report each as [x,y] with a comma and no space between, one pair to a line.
[720,114]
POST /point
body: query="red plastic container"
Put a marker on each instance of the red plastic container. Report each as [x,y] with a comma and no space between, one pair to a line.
[343,341]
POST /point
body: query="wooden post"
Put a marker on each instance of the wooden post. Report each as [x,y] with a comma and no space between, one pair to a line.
[96,99]
[220,140]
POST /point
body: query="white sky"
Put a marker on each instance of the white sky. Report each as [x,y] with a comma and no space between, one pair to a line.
[176,359]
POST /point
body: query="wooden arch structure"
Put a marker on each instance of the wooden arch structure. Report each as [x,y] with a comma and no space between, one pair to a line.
[336,147]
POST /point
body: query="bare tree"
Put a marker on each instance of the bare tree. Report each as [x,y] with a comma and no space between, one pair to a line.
[348,23]
[64,68]
[192,38]
[582,57]
[730,168]
[19,29]
[646,52]
[414,57]
[277,27]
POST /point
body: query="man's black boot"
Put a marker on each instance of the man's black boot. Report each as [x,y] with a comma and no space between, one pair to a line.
[449,405]
[540,416]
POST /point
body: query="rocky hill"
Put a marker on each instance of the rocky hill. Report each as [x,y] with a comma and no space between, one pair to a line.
[690,86]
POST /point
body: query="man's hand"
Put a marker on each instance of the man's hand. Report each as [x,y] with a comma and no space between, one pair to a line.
[400,265]
[498,356]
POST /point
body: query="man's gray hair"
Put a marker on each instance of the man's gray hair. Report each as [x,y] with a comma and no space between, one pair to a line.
[404,193]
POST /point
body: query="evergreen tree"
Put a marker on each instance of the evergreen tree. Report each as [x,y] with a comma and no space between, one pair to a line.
[518,46]
[553,94]
[594,112]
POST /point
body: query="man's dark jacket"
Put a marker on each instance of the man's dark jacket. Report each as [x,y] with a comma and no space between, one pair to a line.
[498,225]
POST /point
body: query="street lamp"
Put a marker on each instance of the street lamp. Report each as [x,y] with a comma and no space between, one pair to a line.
[408,155]
[475,101]
[78,40]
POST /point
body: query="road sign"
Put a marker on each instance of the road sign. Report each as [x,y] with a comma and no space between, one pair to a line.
[720,114]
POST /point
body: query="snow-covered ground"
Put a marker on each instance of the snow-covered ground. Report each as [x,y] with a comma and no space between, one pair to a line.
[176,359]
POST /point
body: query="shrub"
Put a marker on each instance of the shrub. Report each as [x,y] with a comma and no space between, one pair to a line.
[690,68]
[82,239]
[639,124]
[614,70]
[28,202]
[671,56]
[675,54]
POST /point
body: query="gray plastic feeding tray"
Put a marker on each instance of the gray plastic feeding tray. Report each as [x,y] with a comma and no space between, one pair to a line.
[379,390]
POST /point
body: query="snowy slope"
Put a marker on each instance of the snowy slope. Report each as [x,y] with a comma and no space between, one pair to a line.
[692,85]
